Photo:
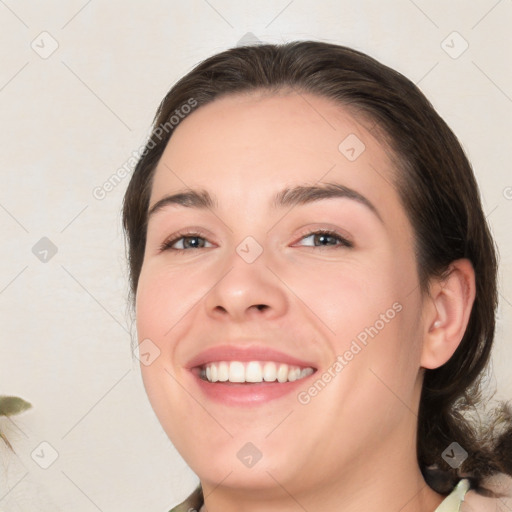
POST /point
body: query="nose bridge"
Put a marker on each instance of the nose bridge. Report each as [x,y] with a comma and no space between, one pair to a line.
[247,286]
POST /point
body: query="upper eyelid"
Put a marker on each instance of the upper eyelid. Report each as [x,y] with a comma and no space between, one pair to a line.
[341,233]
[308,232]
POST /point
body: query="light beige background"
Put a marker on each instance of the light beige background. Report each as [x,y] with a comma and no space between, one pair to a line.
[71,119]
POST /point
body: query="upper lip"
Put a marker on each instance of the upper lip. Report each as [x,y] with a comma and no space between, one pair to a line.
[244,354]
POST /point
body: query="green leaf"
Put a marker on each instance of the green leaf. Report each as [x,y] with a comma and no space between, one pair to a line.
[10,405]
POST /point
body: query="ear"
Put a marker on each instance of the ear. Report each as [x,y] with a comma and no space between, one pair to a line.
[446,313]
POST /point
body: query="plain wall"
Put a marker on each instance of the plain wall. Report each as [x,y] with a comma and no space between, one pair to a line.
[72,119]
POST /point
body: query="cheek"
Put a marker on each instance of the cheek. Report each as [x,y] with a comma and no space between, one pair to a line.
[371,314]
[347,297]
[373,371]
[158,310]
[166,307]
[151,305]
[164,297]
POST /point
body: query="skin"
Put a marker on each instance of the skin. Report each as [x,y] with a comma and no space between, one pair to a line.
[352,447]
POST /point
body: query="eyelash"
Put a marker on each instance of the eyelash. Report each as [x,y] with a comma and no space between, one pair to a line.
[167,245]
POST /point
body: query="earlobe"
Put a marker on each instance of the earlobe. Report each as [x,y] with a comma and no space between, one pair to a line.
[451,301]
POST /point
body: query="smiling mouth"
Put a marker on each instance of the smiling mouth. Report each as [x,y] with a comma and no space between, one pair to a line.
[252,372]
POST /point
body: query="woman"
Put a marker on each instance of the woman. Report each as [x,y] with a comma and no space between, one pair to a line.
[310,263]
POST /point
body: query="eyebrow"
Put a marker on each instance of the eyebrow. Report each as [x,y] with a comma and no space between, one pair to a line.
[288,197]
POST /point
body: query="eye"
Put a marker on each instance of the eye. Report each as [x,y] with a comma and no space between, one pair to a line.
[197,240]
[187,240]
[327,235]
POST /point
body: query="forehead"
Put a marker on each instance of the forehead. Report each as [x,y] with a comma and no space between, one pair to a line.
[256,143]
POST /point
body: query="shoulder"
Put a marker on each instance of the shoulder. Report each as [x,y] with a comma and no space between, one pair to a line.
[193,503]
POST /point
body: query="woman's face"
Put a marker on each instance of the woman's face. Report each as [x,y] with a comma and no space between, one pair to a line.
[254,288]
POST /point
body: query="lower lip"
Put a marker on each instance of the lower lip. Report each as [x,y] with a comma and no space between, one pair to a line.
[230,393]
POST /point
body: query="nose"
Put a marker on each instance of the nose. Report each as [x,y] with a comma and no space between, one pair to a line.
[247,291]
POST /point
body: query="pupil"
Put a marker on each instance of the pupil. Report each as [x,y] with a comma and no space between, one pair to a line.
[322,237]
[188,241]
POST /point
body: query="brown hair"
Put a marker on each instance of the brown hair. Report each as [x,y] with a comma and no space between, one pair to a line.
[438,190]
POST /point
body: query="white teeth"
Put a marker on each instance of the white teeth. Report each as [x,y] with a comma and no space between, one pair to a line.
[282,373]
[294,374]
[305,372]
[236,371]
[253,371]
[214,373]
[269,372]
[223,372]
